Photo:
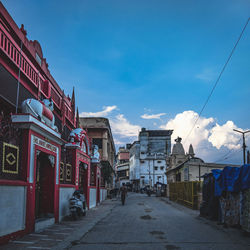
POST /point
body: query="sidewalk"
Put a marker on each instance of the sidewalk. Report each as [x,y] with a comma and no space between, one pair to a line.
[65,233]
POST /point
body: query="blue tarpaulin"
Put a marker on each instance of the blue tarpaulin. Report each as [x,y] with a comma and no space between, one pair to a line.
[245,176]
[217,188]
[232,179]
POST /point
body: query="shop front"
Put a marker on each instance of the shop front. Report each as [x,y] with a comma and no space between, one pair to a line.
[75,169]
[41,158]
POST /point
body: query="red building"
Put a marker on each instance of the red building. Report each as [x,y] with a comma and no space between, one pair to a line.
[39,167]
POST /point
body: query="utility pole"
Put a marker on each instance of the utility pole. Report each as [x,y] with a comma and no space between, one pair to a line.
[149,173]
[154,169]
[199,172]
[244,144]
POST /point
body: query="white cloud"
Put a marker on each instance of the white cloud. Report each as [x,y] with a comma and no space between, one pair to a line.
[117,142]
[224,136]
[105,112]
[209,139]
[155,116]
[206,75]
[123,131]
[183,123]
[122,127]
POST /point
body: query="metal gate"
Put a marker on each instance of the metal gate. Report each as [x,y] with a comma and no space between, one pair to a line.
[185,193]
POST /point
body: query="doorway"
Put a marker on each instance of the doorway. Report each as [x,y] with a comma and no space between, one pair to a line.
[83,178]
[45,182]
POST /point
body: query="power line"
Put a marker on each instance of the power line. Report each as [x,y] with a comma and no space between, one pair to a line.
[228,157]
[228,153]
[216,82]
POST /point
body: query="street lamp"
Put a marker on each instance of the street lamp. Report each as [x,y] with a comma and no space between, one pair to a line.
[244,144]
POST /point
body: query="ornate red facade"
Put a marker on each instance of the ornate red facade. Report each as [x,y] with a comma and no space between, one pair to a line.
[37,162]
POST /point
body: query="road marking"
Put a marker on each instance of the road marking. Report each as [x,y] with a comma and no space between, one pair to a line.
[22,242]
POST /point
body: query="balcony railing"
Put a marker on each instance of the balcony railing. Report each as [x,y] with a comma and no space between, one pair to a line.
[14,53]
[10,48]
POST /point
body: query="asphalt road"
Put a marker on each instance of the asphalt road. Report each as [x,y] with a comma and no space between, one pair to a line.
[143,223]
[153,223]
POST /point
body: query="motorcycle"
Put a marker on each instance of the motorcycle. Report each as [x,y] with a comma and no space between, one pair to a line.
[77,205]
[149,192]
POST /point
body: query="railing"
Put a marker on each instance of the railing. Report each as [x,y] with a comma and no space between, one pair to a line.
[185,193]
[14,53]
[56,98]
[10,48]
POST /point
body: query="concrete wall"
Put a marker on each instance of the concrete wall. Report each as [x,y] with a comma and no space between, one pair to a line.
[92,197]
[134,168]
[193,171]
[64,196]
[12,209]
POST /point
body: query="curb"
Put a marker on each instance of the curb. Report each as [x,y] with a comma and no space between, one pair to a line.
[86,227]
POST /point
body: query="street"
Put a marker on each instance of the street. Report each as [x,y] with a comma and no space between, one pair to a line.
[150,223]
[142,223]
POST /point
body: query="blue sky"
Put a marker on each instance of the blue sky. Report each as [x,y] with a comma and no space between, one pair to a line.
[131,60]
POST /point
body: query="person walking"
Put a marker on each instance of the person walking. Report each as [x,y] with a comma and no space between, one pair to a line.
[123,193]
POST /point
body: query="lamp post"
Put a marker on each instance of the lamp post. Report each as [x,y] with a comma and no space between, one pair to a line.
[244,144]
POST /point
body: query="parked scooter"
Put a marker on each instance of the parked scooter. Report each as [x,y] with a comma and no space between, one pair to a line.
[77,205]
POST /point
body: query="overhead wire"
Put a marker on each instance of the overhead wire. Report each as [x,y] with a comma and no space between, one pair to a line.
[216,82]
[228,153]
[228,157]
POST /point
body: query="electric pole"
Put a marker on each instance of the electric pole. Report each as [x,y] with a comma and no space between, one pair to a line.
[244,144]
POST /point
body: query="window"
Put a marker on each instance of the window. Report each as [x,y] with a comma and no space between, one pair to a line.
[156,168]
[141,161]
[158,161]
[162,168]
[142,153]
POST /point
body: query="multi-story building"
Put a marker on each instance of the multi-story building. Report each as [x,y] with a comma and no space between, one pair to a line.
[148,157]
[99,132]
[122,166]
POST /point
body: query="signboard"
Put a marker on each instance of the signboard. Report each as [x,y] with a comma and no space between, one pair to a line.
[44,144]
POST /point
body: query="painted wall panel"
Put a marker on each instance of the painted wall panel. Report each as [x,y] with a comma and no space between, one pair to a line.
[12,209]
[103,194]
[92,197]
[64,196]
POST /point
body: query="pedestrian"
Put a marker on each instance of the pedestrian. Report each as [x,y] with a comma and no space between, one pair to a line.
[123,193]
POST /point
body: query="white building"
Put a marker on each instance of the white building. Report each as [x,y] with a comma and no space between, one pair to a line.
[148,157]
[186,167]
